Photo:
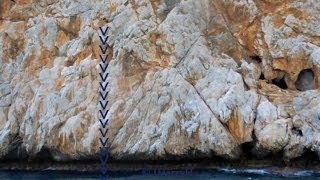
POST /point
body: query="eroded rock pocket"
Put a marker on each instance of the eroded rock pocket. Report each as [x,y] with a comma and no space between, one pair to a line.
[305,80]
[281,83]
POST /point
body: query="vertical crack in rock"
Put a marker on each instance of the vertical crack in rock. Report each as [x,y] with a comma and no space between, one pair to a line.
[187,52]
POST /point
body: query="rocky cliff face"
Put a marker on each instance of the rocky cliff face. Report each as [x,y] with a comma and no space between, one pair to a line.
[187,78]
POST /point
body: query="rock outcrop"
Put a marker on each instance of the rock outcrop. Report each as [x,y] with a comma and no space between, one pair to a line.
[188,79]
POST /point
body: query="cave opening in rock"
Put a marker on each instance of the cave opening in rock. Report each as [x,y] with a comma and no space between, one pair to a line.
[281,83]
[256,58]
[262,77]
[43,154]
[247,149]
[308,157]
[305,80]
[297,131]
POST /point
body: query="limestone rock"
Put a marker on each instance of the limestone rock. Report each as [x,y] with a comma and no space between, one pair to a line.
[188,79]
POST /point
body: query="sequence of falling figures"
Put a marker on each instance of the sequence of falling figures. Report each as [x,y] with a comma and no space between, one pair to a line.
[103,111]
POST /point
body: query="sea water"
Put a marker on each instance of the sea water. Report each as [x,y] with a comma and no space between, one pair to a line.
[223,174]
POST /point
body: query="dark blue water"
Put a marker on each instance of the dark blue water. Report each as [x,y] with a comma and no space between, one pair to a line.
[199,174]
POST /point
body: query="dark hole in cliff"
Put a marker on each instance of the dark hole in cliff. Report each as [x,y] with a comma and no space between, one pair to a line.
[297,131]
[256,58]
[262,77]
[307,159]
[17,153]
[281,83]
[247,148]
[305,80]
[44,154]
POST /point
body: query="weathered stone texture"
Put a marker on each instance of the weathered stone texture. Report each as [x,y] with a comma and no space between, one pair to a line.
[186,77]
